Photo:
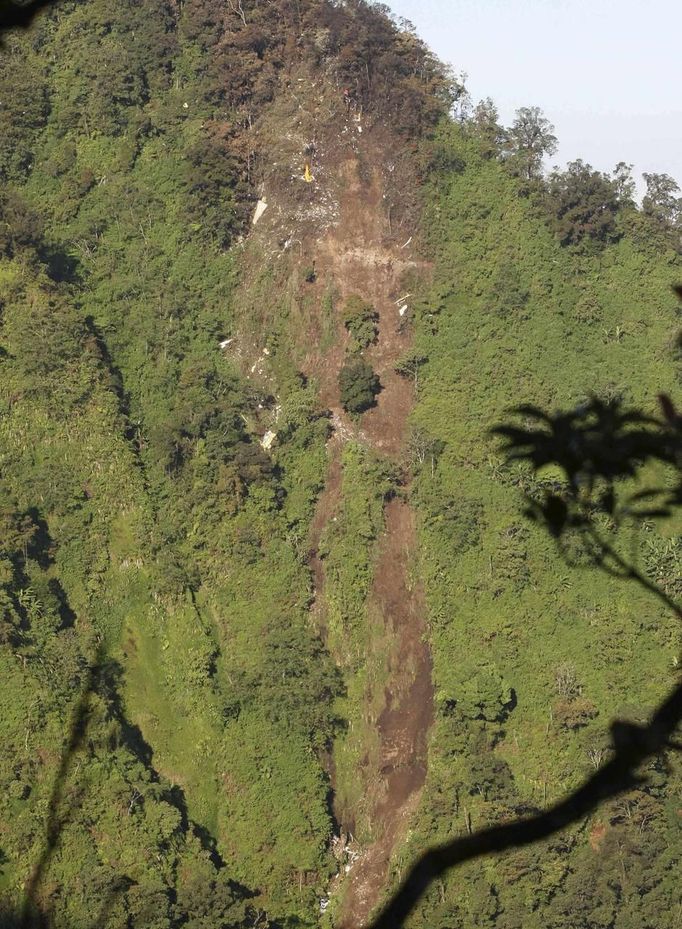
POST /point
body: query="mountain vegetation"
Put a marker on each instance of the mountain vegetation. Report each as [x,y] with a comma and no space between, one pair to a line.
[180,729]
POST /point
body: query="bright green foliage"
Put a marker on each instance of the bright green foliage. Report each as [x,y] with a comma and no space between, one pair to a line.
[532,658]
[583,205]
[358,386]
[354,631]
[137,506]
[348,546]
[72,555]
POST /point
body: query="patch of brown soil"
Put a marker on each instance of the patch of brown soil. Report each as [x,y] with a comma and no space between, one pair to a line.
[597,835]
[357,258]
[353,225]
[326,506]
[359,255]
[405,720]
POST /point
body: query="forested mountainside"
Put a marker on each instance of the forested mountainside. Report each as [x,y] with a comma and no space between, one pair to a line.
[272,619]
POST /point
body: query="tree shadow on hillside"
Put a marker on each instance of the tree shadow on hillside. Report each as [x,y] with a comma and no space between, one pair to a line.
[595,448]
[102,680]
[19,15]
[30,914]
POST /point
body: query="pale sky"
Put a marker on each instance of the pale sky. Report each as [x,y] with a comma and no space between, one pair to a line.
[607,73]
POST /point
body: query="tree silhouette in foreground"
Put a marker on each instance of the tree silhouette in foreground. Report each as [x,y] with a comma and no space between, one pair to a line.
[600,449]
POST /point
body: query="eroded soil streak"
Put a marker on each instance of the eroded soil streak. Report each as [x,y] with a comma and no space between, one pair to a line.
[356,258]
[404,721]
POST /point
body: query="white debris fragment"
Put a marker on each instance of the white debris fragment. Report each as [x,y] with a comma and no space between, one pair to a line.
[268,440]
[403,310]
[407,243]
[324,903]
[266,351]
[225,343]
[261,207]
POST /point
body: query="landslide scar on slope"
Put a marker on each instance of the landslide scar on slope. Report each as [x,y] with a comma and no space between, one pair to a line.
[354,257]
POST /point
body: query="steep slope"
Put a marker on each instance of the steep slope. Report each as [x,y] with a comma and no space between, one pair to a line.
[360,256]
[313,641]
[143,140]
[347,244]
[535,654]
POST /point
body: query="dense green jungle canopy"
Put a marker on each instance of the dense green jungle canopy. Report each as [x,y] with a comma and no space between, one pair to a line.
[155,580]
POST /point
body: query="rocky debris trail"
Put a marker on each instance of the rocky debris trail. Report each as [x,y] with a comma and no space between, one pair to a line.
[404,721]
[356,259]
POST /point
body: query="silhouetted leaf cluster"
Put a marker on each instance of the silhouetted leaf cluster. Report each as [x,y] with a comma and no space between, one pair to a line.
[595,446]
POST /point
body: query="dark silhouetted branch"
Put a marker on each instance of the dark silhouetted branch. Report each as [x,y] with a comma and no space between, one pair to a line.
[633,745]
[597,446]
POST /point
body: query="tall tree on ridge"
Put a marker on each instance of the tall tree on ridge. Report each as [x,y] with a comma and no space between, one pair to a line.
[529,139]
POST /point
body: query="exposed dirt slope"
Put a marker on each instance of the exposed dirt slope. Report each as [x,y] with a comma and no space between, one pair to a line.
[404,722]
[353,224]
[359,257]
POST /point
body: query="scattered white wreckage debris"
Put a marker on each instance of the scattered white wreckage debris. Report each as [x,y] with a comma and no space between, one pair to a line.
[340,429]
[261,207]
[408,242]
[402,299]
[224,344]
[257,366]
[324,904]
[268,440]
[339,843]
[403,310]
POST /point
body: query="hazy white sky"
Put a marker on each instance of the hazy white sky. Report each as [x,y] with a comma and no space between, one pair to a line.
[607,73]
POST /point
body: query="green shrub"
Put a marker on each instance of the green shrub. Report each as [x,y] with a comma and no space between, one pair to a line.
[360,319]
[358,385]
